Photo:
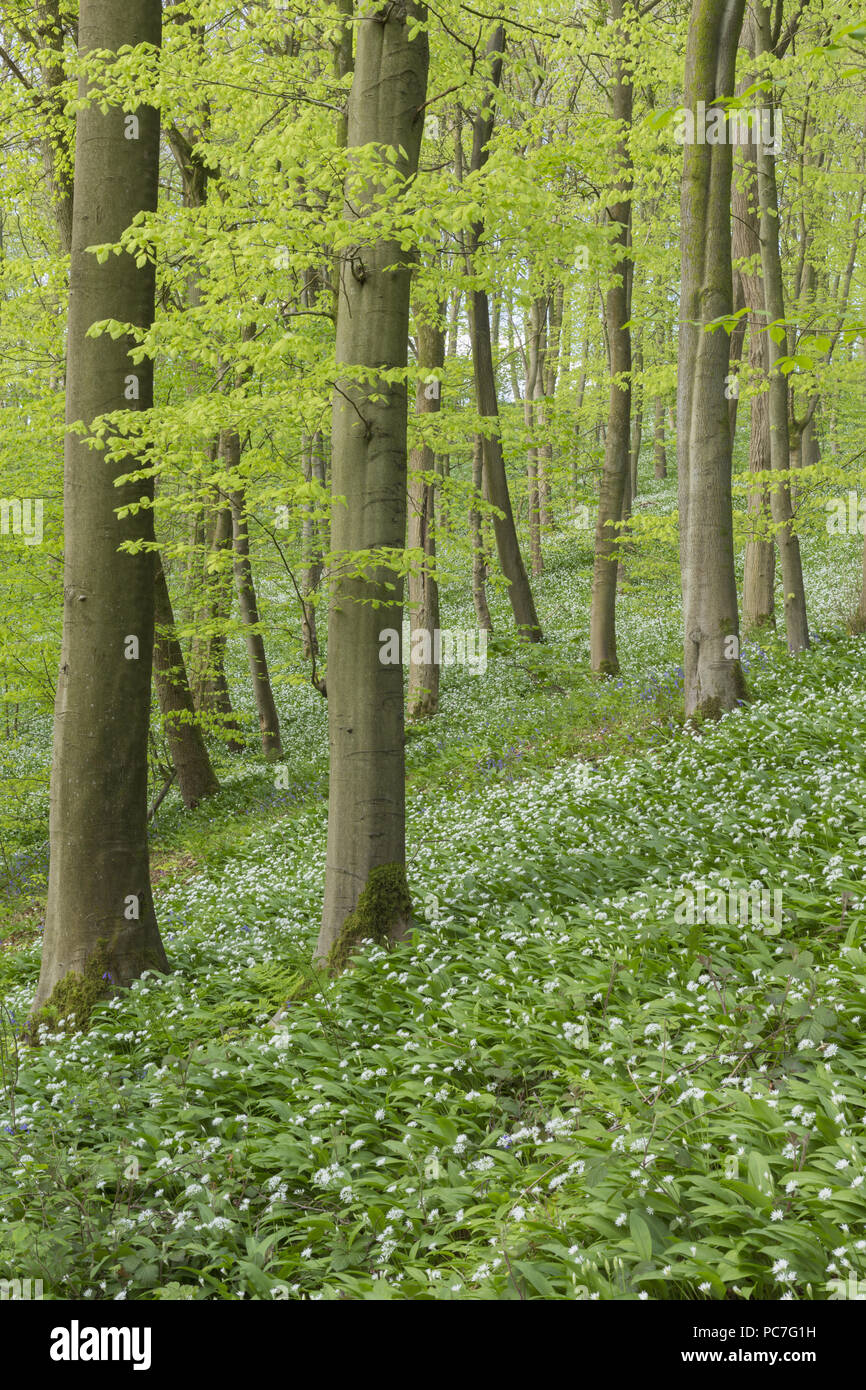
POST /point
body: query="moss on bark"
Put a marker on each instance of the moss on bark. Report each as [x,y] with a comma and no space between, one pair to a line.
[381,915]
[71,1002]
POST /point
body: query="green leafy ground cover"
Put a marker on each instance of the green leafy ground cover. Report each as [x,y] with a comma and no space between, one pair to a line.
[554,1090]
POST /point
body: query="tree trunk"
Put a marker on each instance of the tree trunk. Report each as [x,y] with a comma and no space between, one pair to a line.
[195,776]
[660,457]
[269,720]
[313,544]
[736,349]
[534,368]
[365,880]
[713,676]
[479,555]
[56,144]
[810,444]
[581,391]
[99,915]
[545,386]
[861,607]
[796,624]
[423,697]
[210,688]
[759,564]
[637,421]
[495,480]
[615,473]
[545,392]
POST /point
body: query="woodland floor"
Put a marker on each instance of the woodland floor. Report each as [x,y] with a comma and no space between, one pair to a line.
[554,1089]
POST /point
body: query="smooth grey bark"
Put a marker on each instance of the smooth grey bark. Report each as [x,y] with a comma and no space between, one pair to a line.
[660,457]
[212,525]
[195,774]
[443,461]
[196,778]
[209,683]
[713,679]
[366,853]
[495,479]
[581,392]
[514,351]
[637,422]
[100,906]
[269,720]
[313,543]
[787,540]
[479,553]
[617,310]
[861,606]
[735,354]
[423,695]
[533,389]
[545,392]
[759,564]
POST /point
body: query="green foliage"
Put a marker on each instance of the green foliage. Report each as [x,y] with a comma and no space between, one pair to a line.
[555,1090]
[551,1092]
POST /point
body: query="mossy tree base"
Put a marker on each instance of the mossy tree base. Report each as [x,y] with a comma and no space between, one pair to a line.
[382,915]
[70,1004]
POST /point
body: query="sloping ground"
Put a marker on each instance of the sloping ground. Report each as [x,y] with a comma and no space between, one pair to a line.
[560,1089]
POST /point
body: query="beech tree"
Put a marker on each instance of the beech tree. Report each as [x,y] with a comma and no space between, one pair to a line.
[614,478]
[759,564]
[796,623]
[713,676]
[495,477]
[365,880]
[99,918]
[423,696]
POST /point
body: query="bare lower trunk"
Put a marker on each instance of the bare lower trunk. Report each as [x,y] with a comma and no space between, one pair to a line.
[479,556]
[637,423]
[736,351]
[423,696]
[210,688]
[759,566]
[195,776]
[269,720]
[99,918]
[615,479]
[796,624]
[366,893]
[660,457]
[495,479]
[313,544]
[713,678]
[861,607]
[534,368]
